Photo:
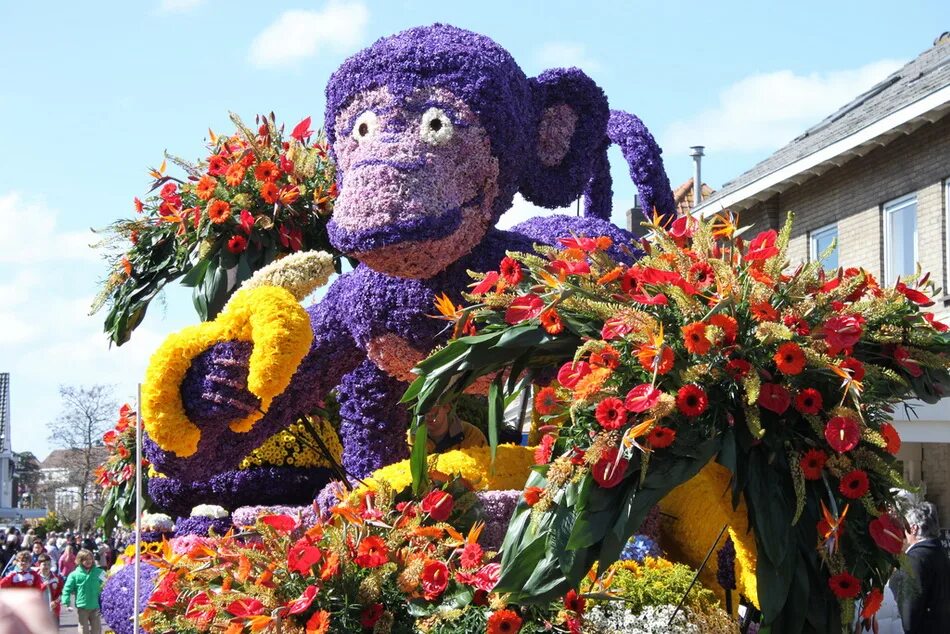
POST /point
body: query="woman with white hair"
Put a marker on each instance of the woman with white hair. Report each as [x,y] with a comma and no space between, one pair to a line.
[923,593]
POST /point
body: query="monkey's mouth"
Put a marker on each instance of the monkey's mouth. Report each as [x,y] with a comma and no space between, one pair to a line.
[417,229]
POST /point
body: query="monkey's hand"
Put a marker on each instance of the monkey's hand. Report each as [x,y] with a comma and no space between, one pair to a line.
[224,372]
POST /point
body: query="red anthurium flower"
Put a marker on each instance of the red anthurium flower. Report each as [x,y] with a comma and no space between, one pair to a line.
[683,228]
[843,331]
[854,367]
[247,221]
[523,308]
[610,413]
[438,504]
[892,438]
[435,579]
[854,484]
[280,523]
[774,398]
[303,602]
[488,283]
[872,603]
[571,373]
[939,326]
[887,533]
[371,552]
[614,328]
[913,295]
[642,398]
[842,433]
[903,359]
[610,469]
[487,577]
[762,246]
[585,244]
[371,614]
[245,607]
[845,585]
[302,130]
[650,300]
[812,463]
[200,610]
[303,556]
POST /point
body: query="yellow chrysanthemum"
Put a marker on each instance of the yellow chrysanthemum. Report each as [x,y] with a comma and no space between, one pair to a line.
[268,317]
[688,537]
[294,446]
[512,467]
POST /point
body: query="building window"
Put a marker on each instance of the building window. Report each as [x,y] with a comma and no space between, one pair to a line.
[900,238]
[819,240]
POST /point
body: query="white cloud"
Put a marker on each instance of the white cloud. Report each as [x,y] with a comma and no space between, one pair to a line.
[763,112]
[562,54]
[521,210]
[298,34]
[30,234]
[179,6]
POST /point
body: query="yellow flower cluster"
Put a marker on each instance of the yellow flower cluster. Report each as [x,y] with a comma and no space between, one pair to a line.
[694,513]
[296,447]
[270,318]
[300,273]
[512,467]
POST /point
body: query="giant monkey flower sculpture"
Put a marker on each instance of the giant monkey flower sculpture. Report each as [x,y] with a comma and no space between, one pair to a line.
[434,131]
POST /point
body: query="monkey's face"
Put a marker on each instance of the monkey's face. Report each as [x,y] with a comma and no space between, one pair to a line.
[418,181]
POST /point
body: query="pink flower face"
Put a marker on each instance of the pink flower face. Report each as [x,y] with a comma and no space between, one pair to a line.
[417,177]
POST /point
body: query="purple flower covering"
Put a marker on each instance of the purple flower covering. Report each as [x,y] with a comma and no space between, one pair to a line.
[646,166]
[726,558]
[497,509]
[117,596]
[247,515]
[201,526]
[154,536]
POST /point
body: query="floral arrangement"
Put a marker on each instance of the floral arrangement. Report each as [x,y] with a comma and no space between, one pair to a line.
[209,510]
[116,475]
[157,522]
[117,599]
[258,195]
[704,349]
[297,446]
[384,565]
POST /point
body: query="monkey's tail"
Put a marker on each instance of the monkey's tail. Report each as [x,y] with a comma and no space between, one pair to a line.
[642,153]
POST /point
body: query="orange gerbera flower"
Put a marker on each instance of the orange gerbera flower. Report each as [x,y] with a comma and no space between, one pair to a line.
[267,171]
[588,386]
[610,276]
[694,336]
[551,322]
[206,187]
[319,623]
[269,192]
[652,360]
[729,326]
[234,175]
[789,358]
[504,622]
[218,211]
[763,311]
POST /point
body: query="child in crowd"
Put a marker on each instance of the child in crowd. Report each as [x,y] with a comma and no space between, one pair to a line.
[52,585]
[85,582]
[22,576]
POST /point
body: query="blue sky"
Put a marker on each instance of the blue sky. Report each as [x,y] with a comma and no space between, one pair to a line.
[92,93]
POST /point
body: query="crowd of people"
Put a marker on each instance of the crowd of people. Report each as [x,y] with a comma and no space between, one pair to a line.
[67,568]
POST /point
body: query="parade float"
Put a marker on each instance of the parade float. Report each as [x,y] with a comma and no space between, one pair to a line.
[699,407]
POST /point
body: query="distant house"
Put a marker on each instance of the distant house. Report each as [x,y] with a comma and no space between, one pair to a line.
[872,176]
[61,474]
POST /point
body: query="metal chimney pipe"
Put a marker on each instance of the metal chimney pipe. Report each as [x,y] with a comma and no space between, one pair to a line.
[696,151]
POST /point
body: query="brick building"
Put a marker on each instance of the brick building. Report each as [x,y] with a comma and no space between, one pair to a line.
[875,177]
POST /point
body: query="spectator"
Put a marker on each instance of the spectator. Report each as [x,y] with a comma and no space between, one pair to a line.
[923,593]
[27,540]
[52,585]
[88,543]
[446,431]
[105,556]
[67,561]
[85,582]
[38,549]
[22,576]
[9,550]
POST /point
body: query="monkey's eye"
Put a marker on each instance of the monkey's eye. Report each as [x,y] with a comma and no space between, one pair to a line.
[365,126]
[436,127]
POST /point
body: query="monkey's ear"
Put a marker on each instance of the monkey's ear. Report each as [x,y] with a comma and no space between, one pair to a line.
[571,120]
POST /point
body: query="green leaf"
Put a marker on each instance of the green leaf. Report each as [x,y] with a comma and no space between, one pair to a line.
[496,411]
[417,460]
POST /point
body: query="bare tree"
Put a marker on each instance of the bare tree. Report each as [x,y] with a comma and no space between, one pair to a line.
[87,412]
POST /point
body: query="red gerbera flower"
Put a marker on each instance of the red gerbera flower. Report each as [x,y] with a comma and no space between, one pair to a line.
[542,453]
[692,400]
[701,275]
[510,269]
[237,244]
[728,325]
[551,322]
[796,324]
[504,622]
[606,357]
[872,603]
[371,552]
[854,484]
[269,192]
[808,401]
[610,413]
[789,358]
[371,614]
[471,555]
[694,337]
[842,433]
[651,360]
[545,401]
[738,369]
[573,602]
[774,398]
[812,463]
[660,437]
[892,438]
[854,367]
[763,311]
[845,585]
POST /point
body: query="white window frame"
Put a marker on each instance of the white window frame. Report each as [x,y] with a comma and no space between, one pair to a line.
[813,235]
[889,208]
